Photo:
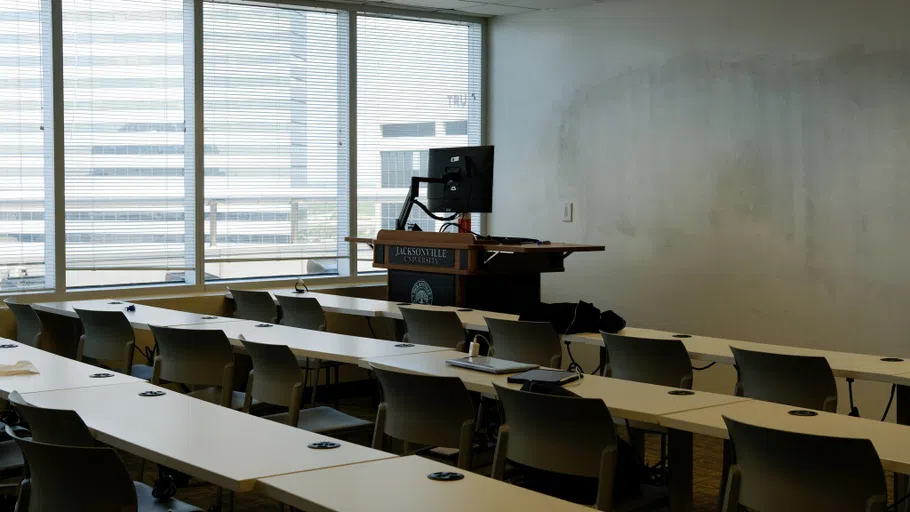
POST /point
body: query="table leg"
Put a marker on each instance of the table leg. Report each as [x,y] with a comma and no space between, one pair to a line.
[902,411]
[603,361]
[680,470]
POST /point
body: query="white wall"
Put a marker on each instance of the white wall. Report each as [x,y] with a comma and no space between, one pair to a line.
[746,163]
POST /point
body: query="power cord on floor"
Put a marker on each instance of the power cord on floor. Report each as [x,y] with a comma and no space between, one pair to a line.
[701,368]
[888,407]
[854,410]
[894,505]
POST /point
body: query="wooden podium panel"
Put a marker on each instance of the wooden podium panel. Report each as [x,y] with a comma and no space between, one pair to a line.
[454,269]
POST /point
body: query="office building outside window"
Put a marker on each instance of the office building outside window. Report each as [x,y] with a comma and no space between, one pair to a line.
[26,148]
[418,87]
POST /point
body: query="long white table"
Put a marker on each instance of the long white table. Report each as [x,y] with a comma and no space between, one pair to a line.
[892,442]
[141,318]
[342,348]
[216,444]
[55,372]
[633,401]
[374,308]
[401,484]
[706,348]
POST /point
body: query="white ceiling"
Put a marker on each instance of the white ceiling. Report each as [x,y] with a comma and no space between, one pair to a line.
[476,7]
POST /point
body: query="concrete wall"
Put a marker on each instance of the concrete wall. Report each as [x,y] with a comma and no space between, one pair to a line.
[746,163]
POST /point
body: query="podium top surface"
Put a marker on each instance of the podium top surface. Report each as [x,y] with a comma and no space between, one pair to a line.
[467,241]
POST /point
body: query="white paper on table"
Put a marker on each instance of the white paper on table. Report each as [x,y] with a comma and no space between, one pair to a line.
[20,368]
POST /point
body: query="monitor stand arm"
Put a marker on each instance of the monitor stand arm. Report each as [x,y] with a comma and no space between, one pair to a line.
[413,193]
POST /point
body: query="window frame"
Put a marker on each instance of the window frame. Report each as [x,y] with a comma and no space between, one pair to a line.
[195,281]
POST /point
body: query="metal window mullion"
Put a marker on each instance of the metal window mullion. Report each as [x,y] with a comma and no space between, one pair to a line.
[56,18]
[352,139]
[199,143]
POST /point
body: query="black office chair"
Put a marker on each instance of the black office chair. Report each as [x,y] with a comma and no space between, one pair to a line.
[199,358]
[437,328]
[28,323]
[307,313]
[425,410]
[652,361]
[258,306]
[83,479]
[783,471]
[800,381]
[109,336]
[276,378]
[525,342]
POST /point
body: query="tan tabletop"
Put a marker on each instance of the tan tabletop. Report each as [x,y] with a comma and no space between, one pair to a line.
[401,484]
[386,309]
[216,444]
[316,344]
[892,441]
[56,372]
[140,319]
[625,399]
[705,348]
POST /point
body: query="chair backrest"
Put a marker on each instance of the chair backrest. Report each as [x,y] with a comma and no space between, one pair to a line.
[794,472]
[525,342]
[437,328]
[195,357]
[302,312]
[258,306]
[74,478]
[424,409]
[107,334]
[652,361]
[277,378]
[556,433]
[53,426]
[800,381]
[28,324]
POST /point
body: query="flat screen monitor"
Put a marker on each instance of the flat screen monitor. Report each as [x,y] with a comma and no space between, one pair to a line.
[468,175]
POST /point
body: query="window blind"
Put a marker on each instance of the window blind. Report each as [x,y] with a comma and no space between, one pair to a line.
[26,148]
[128,152]
[418,87]
[276,118]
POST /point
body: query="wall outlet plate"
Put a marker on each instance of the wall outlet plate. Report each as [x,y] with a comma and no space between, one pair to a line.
[568,209]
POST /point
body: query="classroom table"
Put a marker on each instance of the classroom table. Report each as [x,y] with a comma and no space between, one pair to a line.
[213,443]
[329,346]
[401,484]
[374,308]
[630,400]
[141,318]
[891,441]
[706,348]
[55,372]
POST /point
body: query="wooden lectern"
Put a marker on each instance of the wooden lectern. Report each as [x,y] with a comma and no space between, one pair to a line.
[454,269]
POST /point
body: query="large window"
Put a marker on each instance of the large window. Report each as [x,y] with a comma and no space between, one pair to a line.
[276,109]
[26,155]
[418,87]
[131,156]
[128,146]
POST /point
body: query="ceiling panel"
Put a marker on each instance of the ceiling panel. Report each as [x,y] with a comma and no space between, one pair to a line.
[477,7]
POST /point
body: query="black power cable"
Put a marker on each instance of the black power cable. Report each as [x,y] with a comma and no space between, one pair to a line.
[888,407]
[854,410]
[700,368]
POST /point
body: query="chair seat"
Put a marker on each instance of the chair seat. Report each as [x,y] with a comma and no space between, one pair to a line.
[10,457]
[213,395]
[141,371]
[148,503]
[323,420]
